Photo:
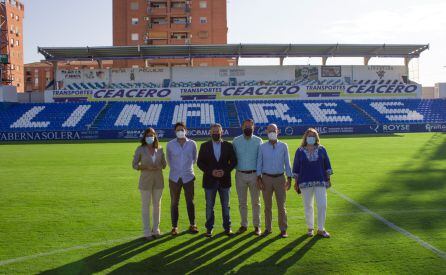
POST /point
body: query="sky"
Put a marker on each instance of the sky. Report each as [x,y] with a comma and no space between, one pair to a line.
[62,23]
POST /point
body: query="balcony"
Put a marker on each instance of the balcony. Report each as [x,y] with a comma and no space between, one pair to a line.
[180,8]
[157,42]
[179,23]
[159,24]
[179,41]
[179,27]
[157,11]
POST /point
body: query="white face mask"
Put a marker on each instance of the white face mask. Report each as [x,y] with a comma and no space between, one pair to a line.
[181,134]
[150,140]
[311,140]
[272,136]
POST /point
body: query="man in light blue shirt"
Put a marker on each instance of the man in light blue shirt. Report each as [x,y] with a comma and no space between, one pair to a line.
[272,162]
[181,156]
[246,148]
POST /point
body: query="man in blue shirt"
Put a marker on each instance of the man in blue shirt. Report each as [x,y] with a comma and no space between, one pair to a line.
[181,156]
[272,162]
[246,147]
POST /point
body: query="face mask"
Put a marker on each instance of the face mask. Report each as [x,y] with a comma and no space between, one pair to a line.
[181,134]
[216,137]
[247,132]
[150,140]
[311,140]
[272,136]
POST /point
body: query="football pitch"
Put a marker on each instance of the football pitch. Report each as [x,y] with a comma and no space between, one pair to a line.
[75,209]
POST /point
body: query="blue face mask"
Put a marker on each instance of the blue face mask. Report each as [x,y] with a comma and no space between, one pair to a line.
[311,140]
[150,140]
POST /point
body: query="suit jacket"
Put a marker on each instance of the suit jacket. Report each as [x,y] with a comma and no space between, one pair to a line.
[207,163]
[151,172]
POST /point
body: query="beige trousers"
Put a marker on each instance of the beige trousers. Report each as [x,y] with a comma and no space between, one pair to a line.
[244,182]
[151,198]
[276,186]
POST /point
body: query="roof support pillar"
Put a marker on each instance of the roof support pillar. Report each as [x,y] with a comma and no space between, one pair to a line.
[366,60]
[55,68]
[324,60]
[281,60]
[406,63]
[100,65]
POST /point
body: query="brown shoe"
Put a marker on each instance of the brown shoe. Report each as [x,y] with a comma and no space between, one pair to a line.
[229,232]
[257,231]
[283,234]
[174,231]
[193,229]
[242,229]
[208,234]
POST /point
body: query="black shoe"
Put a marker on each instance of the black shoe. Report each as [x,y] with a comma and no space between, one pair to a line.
[208,234]
[242,229]
[283,234]
[149,238]
[229,232]
[266,233]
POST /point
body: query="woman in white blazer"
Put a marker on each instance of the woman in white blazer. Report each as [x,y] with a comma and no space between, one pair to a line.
[149,158]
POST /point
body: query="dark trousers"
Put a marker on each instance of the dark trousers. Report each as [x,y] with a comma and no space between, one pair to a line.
[175,194]
[211,194]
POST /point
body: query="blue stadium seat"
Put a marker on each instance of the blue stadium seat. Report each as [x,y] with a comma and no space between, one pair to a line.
[49,116]
[293,112]
[163,115]
[139,115]
[405,110]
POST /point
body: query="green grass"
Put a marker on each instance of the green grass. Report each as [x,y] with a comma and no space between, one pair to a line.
[57,196]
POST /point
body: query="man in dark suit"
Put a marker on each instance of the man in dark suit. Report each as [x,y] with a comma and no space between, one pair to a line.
[217,159]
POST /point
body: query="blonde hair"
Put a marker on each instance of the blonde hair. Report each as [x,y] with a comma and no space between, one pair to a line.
[307,132]
[217,125]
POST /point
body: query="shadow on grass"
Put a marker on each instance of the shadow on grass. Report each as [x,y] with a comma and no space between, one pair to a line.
[180,260]
[111,256]
[418,184]
[274,265]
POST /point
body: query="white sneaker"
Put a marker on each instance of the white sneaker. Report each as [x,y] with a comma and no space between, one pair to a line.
[323,234]
[310,233]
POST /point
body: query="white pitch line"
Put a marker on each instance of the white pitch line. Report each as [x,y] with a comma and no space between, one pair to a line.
[391,212]
[406,233]
[64,250]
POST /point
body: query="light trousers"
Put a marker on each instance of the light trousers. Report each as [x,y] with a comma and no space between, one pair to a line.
[151,197]
[243,183]
[309,194]
[275,186]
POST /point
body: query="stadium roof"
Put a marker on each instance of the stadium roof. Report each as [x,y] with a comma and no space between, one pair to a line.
[231,51]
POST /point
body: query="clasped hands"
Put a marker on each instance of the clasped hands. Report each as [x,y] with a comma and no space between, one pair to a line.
[218,173]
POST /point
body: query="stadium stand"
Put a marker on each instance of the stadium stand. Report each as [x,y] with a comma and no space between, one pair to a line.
[201,114]
[293,112]
[103,85]
[405,111]
[85,86]
[198,84]
[192,84]
[49,116]
[139,115]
